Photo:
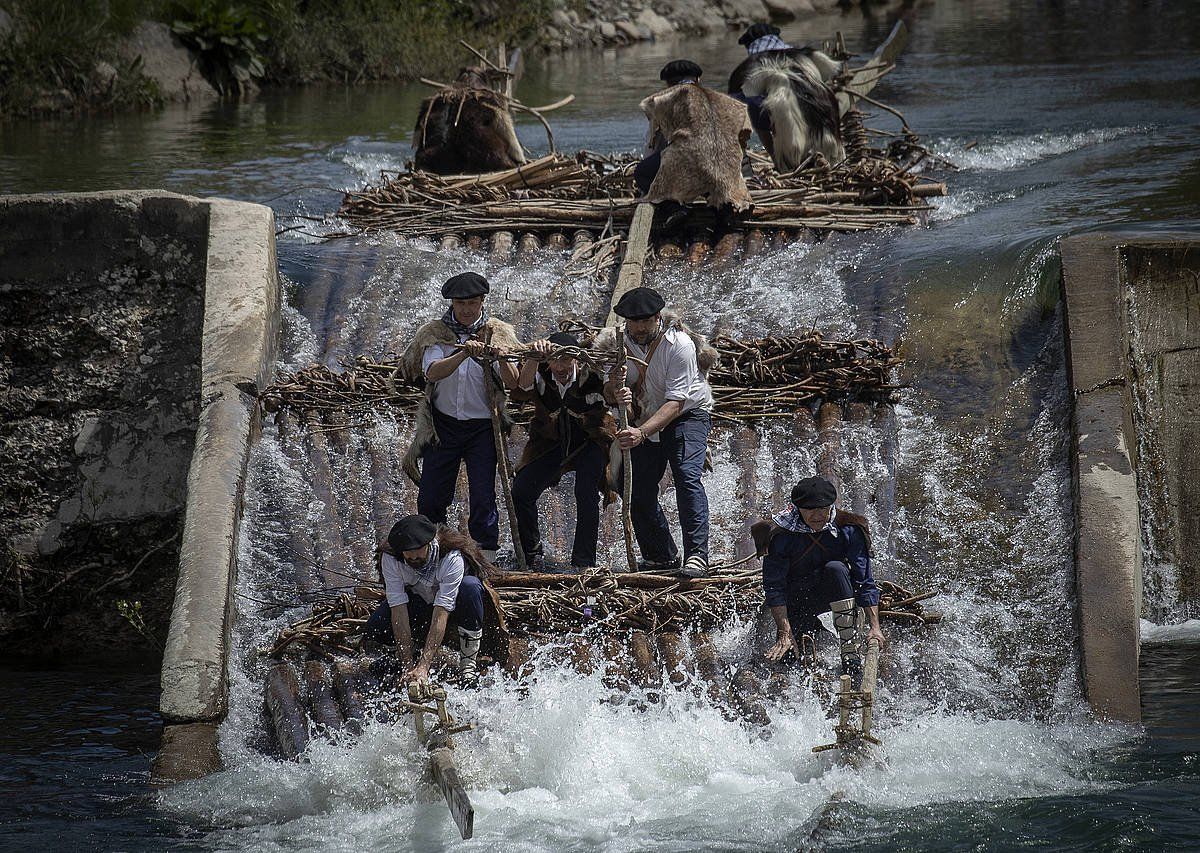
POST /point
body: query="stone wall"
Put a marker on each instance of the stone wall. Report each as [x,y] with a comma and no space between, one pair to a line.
[101,310]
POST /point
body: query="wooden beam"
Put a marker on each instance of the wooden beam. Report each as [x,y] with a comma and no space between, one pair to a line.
[633,264]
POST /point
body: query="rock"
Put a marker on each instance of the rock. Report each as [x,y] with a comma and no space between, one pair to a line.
[573,17]
[103,76]
[608,31]
[167,62]
[53,101]
[743,11]
[656,24]
[787,10]
[560,19]
[6,23]
[632,31]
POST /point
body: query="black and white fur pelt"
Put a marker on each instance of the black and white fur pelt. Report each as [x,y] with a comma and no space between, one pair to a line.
[803,109]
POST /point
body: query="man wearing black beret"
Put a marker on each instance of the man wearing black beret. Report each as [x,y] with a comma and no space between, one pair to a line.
[431,576]
[694,146]
[571,430]
[670,423]
[817,558]
[454,426]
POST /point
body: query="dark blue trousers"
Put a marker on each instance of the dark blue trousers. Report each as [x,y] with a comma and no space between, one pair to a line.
[472,442]
[467,613]
[646,170]
[532,480]
[682,446]
[810,595]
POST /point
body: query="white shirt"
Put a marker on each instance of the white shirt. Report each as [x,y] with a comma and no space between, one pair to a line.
[540,383]
[673,375]
[462,394]
[438,585]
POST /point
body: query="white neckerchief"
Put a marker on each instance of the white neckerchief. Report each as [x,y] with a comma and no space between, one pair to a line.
[792,520]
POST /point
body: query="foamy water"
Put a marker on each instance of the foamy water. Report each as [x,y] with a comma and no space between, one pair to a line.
[983,708]
[1002,153]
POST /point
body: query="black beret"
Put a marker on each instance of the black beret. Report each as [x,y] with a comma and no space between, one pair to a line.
[410,533]
[563,339]
[680,69]
[639,303]
[756,31]
[813,493]
[465,285]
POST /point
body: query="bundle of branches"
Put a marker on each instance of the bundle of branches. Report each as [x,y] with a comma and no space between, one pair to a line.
[763,377]
[904,605]
[774,376]
[535,602]
[362,384]
[328,629]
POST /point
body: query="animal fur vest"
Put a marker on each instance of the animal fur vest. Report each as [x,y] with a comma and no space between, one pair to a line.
[437,332]
[706,134]
[544,428]
[762,532]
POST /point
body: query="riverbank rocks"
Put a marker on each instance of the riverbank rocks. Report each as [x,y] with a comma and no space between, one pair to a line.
[167,63]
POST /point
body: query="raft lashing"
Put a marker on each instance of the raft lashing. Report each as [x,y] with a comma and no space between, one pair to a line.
[344,431]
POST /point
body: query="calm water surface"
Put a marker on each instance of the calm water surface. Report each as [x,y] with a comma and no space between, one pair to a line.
[1063,117]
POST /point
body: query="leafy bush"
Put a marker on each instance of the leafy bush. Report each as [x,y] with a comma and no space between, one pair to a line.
[49,59]
[227,38]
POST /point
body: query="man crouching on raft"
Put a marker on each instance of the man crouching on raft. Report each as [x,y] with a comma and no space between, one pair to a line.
[817,558]
[431,577]
[672,404]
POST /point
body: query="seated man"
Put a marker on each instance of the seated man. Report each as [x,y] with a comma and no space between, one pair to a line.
[571,430]
[696,141]
[817,558]
[431,577]
[786,90]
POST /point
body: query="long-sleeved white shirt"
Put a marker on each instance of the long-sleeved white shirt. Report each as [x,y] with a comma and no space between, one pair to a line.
[437,585]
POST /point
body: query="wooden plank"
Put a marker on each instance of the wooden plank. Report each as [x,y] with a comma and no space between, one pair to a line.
[441,765]
[633,264]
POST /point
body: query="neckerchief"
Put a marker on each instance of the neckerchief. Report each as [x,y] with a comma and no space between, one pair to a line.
[771,42]
[459,329]
[792,520]
[425,570]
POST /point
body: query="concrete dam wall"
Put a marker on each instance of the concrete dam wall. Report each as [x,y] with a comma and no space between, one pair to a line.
[137,328]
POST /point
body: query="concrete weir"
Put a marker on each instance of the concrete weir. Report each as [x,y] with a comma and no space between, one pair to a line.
[1133,358]
[170,432]
[241,334]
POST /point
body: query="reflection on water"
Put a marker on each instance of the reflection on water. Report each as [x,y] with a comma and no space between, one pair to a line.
[1064,117]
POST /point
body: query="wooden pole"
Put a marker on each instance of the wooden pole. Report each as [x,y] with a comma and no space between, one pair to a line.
[626,469]
[870,674]
[502,467]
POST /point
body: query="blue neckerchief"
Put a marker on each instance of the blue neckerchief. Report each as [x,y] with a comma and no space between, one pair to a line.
[426,570]
[792,520]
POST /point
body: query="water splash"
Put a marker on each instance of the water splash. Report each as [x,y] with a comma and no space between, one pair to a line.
[1004,153]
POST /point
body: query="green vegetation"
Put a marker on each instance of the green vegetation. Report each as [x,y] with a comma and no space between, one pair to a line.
[62,55]
[228,39]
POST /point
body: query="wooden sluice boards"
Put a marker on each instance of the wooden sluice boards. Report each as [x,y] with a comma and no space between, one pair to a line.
[301,541]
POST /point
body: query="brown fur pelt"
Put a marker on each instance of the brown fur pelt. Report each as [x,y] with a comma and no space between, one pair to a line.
[706,132]
[762,532]
[437,332]
[466,128]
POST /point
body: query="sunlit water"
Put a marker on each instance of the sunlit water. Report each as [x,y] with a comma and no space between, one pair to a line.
[1062,119]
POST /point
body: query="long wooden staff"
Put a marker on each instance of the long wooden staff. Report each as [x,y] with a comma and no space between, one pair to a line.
[626,466]
[503,469]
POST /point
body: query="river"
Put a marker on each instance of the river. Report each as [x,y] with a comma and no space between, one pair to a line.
[1063,117]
